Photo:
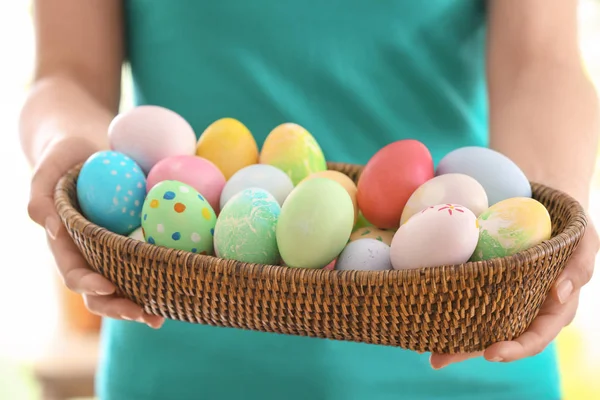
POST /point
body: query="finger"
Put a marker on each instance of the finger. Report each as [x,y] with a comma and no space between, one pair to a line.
[438,361]
[119,308]
[579,270]
[544,329]
[73,268]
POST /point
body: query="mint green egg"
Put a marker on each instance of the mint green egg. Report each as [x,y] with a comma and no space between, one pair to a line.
[315,223]
[176,216]
[246,227]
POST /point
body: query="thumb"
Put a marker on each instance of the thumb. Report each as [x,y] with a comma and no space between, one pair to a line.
[57,159]
[579,270]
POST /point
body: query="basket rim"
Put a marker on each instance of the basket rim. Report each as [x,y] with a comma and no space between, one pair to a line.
[572,232]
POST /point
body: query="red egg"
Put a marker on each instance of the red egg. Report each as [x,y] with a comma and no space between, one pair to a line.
[390,178]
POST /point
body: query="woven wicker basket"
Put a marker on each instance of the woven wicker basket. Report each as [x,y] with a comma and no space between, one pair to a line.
[446,309]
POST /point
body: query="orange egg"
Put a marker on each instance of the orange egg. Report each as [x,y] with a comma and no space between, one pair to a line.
[343,180]
[390,178]
[229,145]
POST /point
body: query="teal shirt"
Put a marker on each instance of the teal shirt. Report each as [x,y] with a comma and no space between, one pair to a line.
[358,74]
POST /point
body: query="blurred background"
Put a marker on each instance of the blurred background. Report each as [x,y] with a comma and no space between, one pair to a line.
[48,340]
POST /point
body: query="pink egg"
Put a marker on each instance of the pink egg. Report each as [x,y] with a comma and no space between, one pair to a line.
[330,266]
[150,133]
[198,172]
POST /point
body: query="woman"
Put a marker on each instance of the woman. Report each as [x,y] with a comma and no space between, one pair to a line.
[358,75]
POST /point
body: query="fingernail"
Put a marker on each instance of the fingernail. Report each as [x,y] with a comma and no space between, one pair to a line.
[126,318]
[496,359]
[52,226]
[102,293]
[564,290]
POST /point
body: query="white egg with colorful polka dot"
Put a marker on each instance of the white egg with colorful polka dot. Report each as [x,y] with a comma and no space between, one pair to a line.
[176,216]
[111,188]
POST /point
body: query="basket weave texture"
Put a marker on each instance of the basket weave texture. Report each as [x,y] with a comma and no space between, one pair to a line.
[445,309]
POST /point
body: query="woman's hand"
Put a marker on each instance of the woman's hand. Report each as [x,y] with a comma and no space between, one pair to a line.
[97,291]
[557,312]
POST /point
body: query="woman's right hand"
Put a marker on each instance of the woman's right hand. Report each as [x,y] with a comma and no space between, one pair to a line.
[97,291]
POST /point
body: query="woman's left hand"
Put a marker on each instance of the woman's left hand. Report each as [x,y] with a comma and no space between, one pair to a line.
[557,311]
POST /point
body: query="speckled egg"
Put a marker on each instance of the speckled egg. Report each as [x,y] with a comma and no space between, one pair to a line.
[499,175]
[294,150]
[229,144]
[110,190]
[365,255]
[175,215]
[373,233]
[511,226]
[198,172]
[149,133]
[261,176]
[445,234]
[246,228]
[343,180]
[448,188]
[315,223]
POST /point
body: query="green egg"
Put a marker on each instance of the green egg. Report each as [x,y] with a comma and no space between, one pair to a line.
[315,223]
[246,227]
[511,226]
[176,216]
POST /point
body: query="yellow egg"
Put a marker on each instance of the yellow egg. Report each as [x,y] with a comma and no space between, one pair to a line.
[511,226]
[373,233]
[229,145]
[294,150]
[343,180]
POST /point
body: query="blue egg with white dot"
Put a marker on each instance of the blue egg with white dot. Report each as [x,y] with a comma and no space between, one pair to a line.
[111,189]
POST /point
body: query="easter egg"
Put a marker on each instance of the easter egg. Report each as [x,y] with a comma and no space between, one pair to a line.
[361,221]
[330,266]
[261,176]
[365,255]
[294,150]
[315,223]
[229,145]
[138,234]
[198,172]
[390,178]
[176,216]
[110,190]
[444,234]
[150,133]
[245,229]
[511,226]
[373,233]
[499,175]
[443,189]
[343,180]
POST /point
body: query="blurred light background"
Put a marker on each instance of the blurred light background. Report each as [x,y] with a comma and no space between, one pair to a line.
[35,345]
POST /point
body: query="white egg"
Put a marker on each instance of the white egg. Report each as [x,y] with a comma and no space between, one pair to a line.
[444,234]
[138,234]
[261,176]
[365,255]
[150,133]
[447,189]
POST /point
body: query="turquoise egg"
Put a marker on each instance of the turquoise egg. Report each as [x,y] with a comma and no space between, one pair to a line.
[246,228]
[176,216]
[111,188]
